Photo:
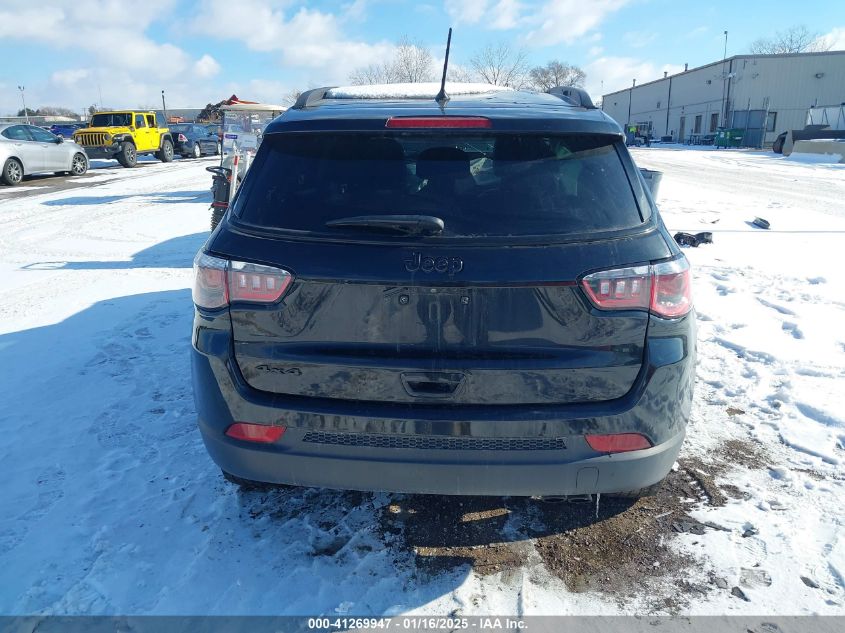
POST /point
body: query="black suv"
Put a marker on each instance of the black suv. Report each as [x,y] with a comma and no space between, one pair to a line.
[472,297]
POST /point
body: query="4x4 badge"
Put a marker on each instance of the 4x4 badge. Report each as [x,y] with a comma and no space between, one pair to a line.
[418,261]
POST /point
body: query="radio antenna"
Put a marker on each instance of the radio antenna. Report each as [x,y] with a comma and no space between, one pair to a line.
[442,97]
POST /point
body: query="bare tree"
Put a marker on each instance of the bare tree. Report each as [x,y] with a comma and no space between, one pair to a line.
[411,63]
[56,111]
[795,39]
[290,98]
[459,73]
[372,74]
[555,73]
[501,66]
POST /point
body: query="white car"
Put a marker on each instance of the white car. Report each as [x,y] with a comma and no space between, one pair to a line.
[27,149]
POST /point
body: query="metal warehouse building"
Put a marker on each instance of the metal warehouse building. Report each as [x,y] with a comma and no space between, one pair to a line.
[762,94]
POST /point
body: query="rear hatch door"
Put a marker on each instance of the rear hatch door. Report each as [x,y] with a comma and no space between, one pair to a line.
[485,312]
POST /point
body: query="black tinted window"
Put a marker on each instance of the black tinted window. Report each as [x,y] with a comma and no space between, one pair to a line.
[17,133]
[42,135]
[479,185]
[119,119]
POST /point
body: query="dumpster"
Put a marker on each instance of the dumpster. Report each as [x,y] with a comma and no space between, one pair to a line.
[652,179]
[729,137]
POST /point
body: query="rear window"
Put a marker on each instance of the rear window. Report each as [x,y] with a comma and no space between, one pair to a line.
[484,184]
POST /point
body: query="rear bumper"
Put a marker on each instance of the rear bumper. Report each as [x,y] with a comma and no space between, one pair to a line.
[293,461]
[356,456]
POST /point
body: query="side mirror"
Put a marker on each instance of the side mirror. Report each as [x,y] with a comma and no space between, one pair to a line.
[60,139]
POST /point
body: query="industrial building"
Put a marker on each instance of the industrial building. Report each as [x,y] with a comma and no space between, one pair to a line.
[761,94]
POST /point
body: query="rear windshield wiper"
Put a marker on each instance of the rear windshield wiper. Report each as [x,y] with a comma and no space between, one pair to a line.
[405,224]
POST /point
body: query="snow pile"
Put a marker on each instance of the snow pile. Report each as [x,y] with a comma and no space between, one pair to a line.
[410,90]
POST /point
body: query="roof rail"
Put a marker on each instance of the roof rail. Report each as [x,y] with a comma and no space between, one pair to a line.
[310,97]
[576,96]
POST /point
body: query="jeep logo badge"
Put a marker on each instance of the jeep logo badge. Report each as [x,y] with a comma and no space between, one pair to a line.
[418,261]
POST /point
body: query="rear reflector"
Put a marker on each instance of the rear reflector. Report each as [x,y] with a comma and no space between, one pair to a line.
[260,433]
[617,442]
[218,282]
[663,289]
[406,122]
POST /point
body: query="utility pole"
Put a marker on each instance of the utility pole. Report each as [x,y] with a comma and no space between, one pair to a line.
[23,100]
[725,54]
[164,107]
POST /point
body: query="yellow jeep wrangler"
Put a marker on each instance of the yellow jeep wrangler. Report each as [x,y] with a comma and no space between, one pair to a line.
[125,135]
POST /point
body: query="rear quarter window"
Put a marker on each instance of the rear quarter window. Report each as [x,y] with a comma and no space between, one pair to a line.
[480,185]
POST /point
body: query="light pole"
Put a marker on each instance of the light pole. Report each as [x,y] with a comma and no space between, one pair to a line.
[23,100]
[725,80]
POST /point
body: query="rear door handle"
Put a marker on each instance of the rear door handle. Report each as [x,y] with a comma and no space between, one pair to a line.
[432,384]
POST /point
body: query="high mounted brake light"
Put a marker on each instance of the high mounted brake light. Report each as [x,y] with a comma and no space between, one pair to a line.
[219,282]
[663,289]
[440,122]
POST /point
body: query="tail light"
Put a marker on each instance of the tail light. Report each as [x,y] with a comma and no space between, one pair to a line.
[219,282]
[252,282]
[663,289]
[259,433]
[210,288]
[182,138]
[618,442]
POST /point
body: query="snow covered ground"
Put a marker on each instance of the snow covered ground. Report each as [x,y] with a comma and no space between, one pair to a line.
[771,372]
[110,505]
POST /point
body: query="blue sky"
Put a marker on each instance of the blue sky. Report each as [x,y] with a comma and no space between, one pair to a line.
[68,52]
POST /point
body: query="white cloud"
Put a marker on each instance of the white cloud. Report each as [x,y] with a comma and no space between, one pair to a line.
[70,76]
[639,39]
[595,51]
[835,39]
[609,74]
[499,14]
[206,66]
[566,21]
[553,22]
[126,65]
[466,11]
[356,10]
[506,14]
[307,39]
